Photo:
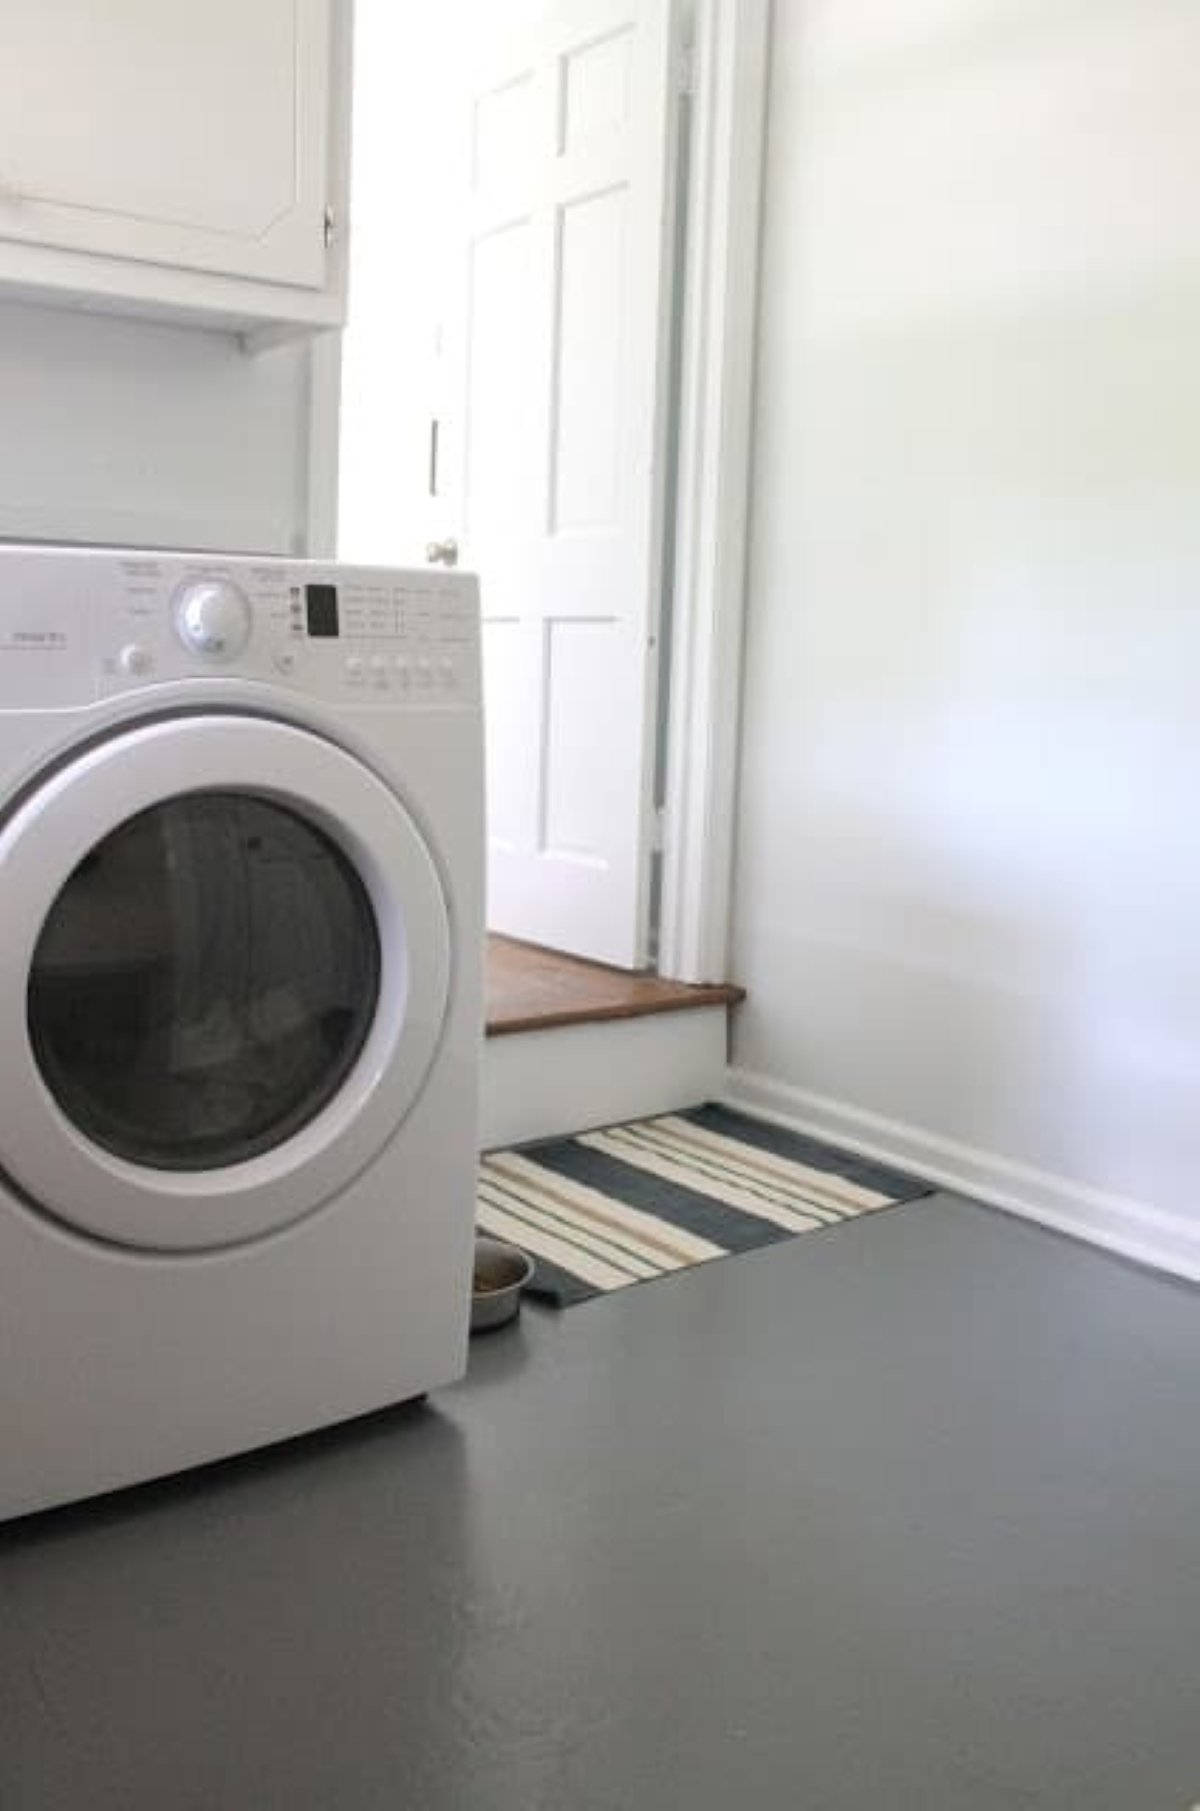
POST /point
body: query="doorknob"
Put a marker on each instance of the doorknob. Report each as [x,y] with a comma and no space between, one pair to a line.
[442,553]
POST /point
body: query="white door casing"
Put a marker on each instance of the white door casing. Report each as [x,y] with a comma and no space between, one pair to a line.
[61,822]
[564,341]
[725,160]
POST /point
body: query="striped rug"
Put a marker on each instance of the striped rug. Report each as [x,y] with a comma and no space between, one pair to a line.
[607,1209]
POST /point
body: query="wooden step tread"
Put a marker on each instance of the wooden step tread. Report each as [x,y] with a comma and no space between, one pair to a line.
[529,989]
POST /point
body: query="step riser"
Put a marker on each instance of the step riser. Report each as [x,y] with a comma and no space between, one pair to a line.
[552,1082]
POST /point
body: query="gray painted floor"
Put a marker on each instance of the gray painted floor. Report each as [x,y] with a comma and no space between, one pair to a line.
[904,1515]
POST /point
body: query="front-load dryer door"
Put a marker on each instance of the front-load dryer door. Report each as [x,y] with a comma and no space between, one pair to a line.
[223,979]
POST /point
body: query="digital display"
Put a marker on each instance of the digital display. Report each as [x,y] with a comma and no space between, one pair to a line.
[321,604]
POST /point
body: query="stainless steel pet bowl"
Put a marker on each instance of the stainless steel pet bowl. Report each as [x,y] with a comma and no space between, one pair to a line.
[501,1272]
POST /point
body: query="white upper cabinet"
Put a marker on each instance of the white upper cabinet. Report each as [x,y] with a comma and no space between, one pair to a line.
[176,155]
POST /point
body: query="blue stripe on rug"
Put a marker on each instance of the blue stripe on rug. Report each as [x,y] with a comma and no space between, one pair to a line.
[781,1142]
[726,1226]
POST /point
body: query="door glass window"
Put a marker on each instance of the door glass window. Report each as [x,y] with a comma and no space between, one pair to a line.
[204,982]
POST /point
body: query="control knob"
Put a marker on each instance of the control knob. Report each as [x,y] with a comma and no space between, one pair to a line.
[212,618]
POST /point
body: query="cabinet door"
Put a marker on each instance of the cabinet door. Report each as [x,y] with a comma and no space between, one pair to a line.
[189,133]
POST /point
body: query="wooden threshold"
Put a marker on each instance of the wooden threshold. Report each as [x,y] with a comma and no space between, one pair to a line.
[529,989]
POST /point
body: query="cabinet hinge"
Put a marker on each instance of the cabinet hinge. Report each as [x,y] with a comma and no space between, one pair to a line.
[687,69]
[658,830]
[328,227]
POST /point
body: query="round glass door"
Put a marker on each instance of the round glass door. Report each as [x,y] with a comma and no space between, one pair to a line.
[204,982]
[223,980]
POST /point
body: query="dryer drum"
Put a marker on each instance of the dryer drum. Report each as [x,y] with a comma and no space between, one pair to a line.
[204,982]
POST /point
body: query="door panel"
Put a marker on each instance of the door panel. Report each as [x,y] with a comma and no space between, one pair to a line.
[512,753]
[585,469]
[564,335]
[502,365]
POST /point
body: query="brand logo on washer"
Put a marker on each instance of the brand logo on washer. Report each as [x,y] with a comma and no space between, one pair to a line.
[33,641]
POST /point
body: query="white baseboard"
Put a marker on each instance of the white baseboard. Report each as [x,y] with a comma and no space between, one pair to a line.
[566,1078]
[1134,1229]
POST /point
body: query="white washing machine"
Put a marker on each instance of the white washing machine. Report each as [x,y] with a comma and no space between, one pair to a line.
[241,882]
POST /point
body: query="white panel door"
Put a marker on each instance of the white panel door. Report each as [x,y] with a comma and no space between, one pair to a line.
[564,341]
[190,133]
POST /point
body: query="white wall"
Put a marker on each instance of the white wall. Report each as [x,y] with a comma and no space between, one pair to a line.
[968,884]
[115,430]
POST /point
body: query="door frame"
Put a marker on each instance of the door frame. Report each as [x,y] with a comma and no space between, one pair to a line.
[727,82]
[729,111]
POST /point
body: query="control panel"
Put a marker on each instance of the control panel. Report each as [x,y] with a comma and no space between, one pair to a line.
[128,620]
